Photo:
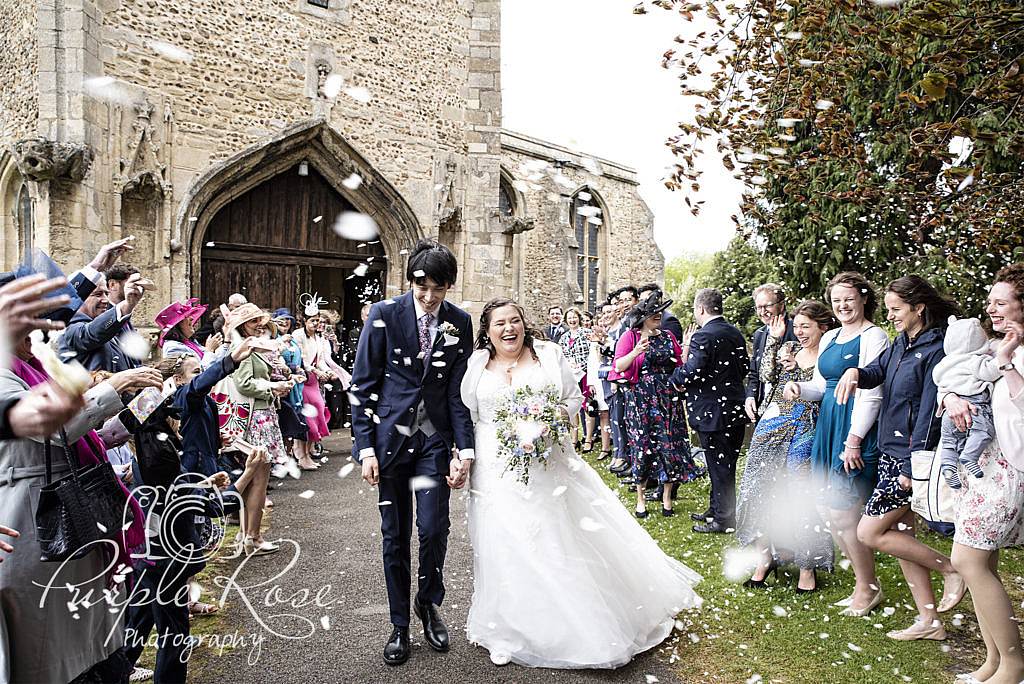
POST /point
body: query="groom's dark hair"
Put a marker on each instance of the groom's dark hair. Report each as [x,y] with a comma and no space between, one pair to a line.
[431,259]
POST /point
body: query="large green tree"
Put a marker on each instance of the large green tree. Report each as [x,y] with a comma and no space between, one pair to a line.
[881,137]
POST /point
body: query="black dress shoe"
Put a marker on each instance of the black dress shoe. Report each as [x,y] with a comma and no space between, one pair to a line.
[434,629]
[396,651]
[712,527]
[700,517]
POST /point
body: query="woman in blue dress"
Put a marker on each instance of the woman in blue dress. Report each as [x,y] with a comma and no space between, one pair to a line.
[658,447]
[776,508]
[844,457]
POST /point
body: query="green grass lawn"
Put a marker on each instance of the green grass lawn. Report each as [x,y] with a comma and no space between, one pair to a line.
[775,634]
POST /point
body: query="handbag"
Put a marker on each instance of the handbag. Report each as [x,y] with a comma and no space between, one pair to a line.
[83,507]
[932,498]
[234,412]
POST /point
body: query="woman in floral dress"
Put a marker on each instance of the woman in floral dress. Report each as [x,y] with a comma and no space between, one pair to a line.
[645,358]
[575,345]
[776,511]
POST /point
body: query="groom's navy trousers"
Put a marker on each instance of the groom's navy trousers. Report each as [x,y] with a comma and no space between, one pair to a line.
[420,456]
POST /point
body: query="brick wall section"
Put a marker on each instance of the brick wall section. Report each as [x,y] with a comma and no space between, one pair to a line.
[548,264]
[19,95]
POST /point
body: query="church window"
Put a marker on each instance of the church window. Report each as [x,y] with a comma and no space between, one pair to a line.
[26,222]
[587,220]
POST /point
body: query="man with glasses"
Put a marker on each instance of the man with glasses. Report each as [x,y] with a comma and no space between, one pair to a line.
[769,302]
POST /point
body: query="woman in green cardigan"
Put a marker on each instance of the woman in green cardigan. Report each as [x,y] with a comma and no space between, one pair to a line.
[252,382]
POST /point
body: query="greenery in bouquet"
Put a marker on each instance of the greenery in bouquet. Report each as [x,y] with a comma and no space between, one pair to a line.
[529,423]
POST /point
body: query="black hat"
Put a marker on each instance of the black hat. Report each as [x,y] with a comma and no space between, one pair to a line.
[651,306]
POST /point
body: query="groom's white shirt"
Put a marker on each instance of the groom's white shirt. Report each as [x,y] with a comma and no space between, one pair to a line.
[423,423]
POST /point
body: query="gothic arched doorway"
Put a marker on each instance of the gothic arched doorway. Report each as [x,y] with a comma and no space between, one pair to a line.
[276,241]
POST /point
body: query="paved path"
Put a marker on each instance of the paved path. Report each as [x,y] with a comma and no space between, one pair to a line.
[338,533]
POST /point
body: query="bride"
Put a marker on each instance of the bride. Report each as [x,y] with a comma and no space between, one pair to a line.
[564,576]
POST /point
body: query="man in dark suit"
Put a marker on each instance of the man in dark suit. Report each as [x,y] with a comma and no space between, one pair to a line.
[668,319]
[769,302]
[555,327]
[712,378]
[407,414]
[92,336]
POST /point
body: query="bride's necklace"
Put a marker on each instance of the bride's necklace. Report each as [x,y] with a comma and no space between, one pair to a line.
[509,367]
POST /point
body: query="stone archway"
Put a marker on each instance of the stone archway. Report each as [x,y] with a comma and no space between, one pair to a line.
[327,153]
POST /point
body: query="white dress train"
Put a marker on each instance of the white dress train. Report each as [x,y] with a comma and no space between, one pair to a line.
[564,576]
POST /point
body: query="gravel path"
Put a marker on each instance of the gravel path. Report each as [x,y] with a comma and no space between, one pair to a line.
[337,531]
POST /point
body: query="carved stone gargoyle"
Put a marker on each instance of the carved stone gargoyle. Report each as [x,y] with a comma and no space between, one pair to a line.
[39,159]
[514,225]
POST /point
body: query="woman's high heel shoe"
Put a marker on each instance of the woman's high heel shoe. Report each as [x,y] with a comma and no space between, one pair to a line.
[773,568]
[801,590]
[603,455]
[641,514]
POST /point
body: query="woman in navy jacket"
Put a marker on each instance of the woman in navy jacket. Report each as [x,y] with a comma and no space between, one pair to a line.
[907,423]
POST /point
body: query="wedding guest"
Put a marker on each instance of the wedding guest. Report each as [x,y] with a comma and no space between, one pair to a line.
[645,357]
[236,300]
[613,394]
[575,343]
[712,376]
[906,423]
[776,509]
[626,298]
[291,354]
[990,511]
[844,457]
[555,327]
[92,336]
[669,321]
[769,302]
[177,323]
[586,320]
[75,641]
[252,382]
[320,369]
[599,364]
[294,428]
[116,277]
[200,432]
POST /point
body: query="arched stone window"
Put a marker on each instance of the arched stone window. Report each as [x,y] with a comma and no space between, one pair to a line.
[506,203]
[588,221]
[25,221]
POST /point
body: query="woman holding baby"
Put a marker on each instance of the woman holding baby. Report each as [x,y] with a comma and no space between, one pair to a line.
[778,469]
[990,512]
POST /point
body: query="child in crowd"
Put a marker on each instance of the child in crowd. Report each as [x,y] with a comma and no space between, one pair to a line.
[968,370]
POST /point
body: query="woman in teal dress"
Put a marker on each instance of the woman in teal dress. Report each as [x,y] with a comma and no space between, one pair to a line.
[776,509]
[844,457]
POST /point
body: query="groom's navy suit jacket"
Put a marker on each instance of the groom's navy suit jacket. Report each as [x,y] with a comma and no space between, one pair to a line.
[389,380]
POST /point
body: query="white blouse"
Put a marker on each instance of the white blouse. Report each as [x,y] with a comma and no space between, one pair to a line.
[1008,416]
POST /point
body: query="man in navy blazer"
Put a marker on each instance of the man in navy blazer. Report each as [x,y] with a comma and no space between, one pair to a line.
[92,336]
[769,302]
[407,416]
[713,380]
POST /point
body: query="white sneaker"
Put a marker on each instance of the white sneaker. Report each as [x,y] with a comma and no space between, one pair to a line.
[499,658]
[140,674]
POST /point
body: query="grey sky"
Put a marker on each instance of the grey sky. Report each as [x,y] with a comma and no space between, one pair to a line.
[587,74]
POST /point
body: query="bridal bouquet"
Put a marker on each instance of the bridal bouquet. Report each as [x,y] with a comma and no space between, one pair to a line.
[529,423]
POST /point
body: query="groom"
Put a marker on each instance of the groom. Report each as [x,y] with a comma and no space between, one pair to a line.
[407,414]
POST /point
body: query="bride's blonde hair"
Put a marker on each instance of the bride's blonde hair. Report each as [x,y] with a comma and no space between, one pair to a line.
[483,338]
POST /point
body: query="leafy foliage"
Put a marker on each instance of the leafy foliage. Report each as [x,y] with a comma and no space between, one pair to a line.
[880,137]
[735,272]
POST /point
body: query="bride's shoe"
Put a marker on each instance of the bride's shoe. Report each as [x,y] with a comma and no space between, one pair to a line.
[499,658]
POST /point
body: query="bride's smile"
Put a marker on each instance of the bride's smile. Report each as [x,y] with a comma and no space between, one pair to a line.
[507,331]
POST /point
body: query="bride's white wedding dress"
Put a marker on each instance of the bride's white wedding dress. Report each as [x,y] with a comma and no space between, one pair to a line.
[564,577]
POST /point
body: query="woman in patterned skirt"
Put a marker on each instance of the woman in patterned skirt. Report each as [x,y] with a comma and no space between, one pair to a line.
[645,358]
[776,508]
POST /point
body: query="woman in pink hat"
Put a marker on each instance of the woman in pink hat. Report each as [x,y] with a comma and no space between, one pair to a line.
[177,323]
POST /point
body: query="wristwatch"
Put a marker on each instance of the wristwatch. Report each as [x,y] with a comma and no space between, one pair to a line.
[1007,366]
